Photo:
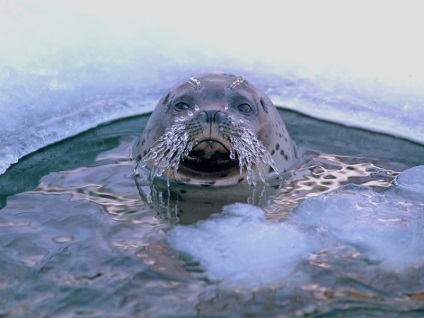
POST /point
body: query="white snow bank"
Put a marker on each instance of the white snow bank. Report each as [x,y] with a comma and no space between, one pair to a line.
[65,64]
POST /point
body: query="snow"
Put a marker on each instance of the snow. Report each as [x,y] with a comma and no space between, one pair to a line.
[64,65]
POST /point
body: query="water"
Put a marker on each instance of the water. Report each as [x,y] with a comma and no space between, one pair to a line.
[77,239]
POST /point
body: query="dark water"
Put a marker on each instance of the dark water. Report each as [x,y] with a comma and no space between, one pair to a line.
[76,240]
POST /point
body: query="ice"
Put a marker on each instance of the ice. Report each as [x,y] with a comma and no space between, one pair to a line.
[241,248]
[251,153]
[410,183]
[168,151]
[70,65]
[382,227]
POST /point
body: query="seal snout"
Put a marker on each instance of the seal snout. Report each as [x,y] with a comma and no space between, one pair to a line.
[210,138]
[212,116]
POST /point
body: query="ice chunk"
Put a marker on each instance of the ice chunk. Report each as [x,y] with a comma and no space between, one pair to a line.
[410,183]
[242,248]
[382,227]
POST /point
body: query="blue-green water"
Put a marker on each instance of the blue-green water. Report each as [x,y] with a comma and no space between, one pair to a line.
[76,239]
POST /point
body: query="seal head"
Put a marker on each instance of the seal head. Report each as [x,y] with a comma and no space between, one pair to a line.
[215,130]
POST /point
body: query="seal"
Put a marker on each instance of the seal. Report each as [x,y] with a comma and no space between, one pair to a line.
[215,130]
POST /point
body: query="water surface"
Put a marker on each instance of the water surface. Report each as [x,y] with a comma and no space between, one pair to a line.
[77,240]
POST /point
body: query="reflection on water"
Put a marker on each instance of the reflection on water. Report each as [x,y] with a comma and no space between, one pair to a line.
[76,239]
[317,174]
[321,173]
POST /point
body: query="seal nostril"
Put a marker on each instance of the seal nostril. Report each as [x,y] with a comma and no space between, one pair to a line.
[203,116]
[220,117]
[210,116]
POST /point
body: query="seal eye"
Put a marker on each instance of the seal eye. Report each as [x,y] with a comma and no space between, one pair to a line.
[244,108]
[182,106]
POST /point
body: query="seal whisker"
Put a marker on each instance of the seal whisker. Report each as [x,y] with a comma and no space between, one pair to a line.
[250,152]
[237,83]
[194,82]
[168,150]
[177,142]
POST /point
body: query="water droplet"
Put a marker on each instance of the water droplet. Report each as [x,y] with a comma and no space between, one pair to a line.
[196,108]
[251,154]
[63,239]
[168,150]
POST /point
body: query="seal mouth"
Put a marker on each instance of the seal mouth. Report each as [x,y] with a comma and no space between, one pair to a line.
[210,156]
